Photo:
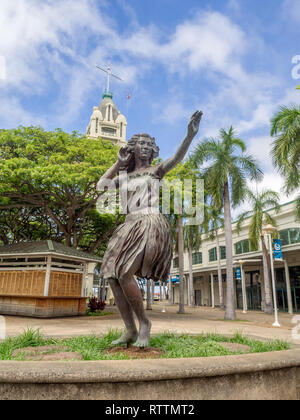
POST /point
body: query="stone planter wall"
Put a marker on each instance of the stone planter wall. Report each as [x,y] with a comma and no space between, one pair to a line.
[265,376]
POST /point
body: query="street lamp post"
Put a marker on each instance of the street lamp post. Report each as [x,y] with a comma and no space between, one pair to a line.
[268,230]
[244,290]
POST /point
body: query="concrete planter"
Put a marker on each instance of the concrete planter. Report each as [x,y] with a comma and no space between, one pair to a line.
[264,376]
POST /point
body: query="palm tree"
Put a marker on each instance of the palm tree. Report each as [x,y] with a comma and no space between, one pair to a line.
[226,174]
[176,226]
[180,245]
[285,126]
[149,295]
[214,220]
[261,203]
[192,242]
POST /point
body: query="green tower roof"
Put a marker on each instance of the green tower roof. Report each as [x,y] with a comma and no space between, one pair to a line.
[107,95]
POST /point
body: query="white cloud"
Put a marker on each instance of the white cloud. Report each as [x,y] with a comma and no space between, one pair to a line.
[64,39]
[13,114]
[50,28]
[211,40]
[273,181]
[260,147]
[234,5]
[44,40]
[291,10]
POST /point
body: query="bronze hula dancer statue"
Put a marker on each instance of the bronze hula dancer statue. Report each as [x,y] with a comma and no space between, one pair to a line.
[142,245]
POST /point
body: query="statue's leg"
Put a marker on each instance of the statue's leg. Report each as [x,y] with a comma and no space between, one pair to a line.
[134,297]
[131,334]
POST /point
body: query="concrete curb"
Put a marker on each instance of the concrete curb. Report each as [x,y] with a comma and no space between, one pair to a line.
[129,379]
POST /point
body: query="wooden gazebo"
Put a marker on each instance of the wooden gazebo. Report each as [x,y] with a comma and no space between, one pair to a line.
[43,279]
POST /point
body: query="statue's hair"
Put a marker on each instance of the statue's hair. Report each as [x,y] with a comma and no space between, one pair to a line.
[131,146]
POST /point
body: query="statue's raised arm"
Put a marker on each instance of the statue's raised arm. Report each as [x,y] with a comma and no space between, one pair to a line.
[193,129]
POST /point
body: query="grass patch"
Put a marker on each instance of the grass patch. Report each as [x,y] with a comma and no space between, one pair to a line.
[175,346]
[96,314]
[29,338]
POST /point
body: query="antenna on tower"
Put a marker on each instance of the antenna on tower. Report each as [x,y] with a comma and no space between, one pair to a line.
[109,75]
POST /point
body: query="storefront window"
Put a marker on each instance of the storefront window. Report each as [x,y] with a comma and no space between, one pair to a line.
[242,247]
[197,258]
[213,254]
[290,236]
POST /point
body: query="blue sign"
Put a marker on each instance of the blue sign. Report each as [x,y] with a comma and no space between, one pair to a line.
[238,273]
[176,279]
[277,249]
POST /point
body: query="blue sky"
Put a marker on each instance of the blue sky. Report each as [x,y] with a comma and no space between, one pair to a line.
[231,59]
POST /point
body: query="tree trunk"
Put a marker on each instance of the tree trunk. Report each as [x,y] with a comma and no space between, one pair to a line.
[267,280]
[148,282]
[4,239]
[152,291]
[191,280]
[103,290]
[160,292]
[220,280]
[181,264]
[230,313]
[170,291]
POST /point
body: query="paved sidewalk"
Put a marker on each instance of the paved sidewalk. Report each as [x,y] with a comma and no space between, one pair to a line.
[195,320]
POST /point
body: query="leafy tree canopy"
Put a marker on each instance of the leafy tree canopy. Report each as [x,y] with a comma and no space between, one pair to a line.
[56,174]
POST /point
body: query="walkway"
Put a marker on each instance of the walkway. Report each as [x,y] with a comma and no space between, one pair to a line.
[196,320]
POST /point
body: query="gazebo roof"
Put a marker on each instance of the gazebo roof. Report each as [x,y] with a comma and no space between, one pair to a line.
[45,248]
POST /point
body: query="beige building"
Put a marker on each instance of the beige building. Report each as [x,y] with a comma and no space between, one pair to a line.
[287,271]
[107,122]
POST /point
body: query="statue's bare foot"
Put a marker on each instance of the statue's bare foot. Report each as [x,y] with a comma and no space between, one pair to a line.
[128,337]
[144,335]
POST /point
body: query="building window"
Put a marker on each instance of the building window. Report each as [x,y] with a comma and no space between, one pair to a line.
[290,236]
[213,254]
[97,123]
[109,108]
[176,262]
[216,278]
[109,131]
[242,247]
[121,130]
[197,258]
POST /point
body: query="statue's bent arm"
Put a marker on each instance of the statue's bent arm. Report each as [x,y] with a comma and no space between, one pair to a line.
[109,174]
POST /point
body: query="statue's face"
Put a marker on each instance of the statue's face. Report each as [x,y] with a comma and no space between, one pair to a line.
[143,149]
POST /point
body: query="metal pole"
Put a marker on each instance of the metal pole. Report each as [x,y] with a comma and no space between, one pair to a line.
[276,323]
[170,290]
[243,289]
[212,291]
[288,287]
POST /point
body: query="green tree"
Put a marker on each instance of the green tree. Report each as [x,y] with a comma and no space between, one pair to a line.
[214,220]
[180,172]
[25,224]
[226,173]
[55,173]
[261,203]
[285,127]
[192,242]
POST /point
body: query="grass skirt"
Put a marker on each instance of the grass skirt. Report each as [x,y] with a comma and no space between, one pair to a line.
[142,237]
